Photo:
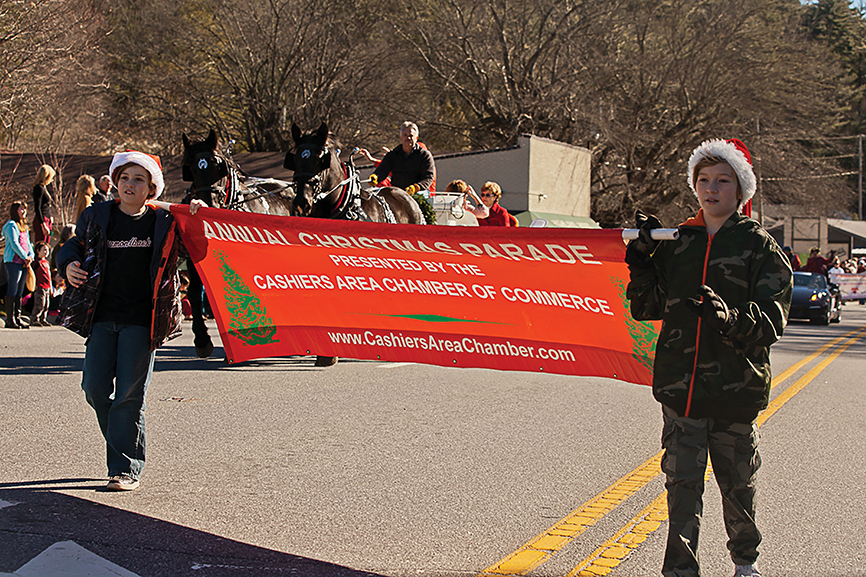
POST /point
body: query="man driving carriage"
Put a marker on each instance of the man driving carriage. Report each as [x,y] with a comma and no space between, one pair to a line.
[410,165]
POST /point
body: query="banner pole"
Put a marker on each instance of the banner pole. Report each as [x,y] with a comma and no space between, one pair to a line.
[160,204]
[656,233]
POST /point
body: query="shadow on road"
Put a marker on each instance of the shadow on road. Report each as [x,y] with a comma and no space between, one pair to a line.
[40,365]
[168,358]
[39,517]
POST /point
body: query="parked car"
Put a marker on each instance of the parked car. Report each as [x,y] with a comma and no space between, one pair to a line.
[815,299]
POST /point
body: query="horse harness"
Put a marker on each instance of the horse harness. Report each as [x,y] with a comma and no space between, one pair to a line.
[231,196]
[348,205]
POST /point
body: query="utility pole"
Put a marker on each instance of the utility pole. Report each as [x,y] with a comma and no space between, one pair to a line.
[860,177]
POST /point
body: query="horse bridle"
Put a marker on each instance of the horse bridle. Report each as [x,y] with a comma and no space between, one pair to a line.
[314,179]
[200,160]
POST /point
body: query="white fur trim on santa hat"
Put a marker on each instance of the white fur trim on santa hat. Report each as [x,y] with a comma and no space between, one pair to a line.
[727,151]
[150,163]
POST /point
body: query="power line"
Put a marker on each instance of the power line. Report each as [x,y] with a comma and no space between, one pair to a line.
[836,175]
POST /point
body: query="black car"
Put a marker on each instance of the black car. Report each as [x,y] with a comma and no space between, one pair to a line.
[815,299]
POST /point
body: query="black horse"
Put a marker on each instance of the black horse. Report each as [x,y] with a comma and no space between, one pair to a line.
[218,182]
[326,187]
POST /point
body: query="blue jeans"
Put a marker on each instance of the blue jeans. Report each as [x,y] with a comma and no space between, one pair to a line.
[15,279]
[118,366]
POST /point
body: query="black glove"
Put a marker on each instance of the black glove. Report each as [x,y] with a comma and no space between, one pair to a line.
[639,250]
[713,310]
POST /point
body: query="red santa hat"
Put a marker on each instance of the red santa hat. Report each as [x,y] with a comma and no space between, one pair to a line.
[148,162]
[735,153]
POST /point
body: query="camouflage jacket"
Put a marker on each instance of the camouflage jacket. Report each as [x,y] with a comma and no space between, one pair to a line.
[89,247]
[699,372]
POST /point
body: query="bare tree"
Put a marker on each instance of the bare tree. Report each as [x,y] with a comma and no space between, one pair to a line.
[500,68]
[44,70]
[249,68]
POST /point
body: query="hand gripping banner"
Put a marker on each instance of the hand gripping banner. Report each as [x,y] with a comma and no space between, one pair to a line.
[517,299]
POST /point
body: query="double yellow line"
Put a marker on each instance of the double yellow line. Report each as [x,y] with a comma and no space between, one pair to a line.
[616,549]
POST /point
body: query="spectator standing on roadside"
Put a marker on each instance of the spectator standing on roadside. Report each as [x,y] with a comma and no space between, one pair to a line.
[103,190]
[123,296]
[410,165]
[65,234]
[17,255]
[723,292]
[42,201]
[85,191]
[793,258]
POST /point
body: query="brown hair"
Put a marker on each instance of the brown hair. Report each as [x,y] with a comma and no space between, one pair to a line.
[708,161]
[457,186]
[13,214]
[115,177]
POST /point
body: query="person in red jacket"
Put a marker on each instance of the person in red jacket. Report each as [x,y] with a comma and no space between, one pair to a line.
[793,258]
[38,316]
[490,195]
[817,263]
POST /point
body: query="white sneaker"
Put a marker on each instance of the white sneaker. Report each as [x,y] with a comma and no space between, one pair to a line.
[122,482]
[746,571]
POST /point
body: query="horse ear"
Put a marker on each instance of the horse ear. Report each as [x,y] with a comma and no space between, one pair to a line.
[187,173]
[186,142]
[296,132]
[212,139]
[323,132]
[289,162]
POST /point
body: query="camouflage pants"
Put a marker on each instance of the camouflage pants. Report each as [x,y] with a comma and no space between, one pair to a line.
[733,449]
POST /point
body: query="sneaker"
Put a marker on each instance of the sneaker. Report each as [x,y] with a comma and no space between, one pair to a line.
[122,483]
[746,571]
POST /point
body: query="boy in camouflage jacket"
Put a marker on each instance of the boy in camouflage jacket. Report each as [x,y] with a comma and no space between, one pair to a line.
[722,291]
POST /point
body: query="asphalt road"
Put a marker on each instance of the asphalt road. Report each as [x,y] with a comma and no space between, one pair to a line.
[279,468]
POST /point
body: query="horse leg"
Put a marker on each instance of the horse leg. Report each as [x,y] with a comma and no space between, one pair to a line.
[202,341]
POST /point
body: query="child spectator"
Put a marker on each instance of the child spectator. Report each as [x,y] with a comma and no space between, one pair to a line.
[42,292]
[479,209]
[58,286]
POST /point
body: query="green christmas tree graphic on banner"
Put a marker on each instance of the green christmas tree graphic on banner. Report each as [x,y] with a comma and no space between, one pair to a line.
[643,335]
[248,319]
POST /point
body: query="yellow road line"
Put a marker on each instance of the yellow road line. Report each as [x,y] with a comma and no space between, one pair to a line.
[615,550]
[539,549]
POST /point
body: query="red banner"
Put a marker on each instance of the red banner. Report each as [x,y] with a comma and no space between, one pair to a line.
[524,299]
